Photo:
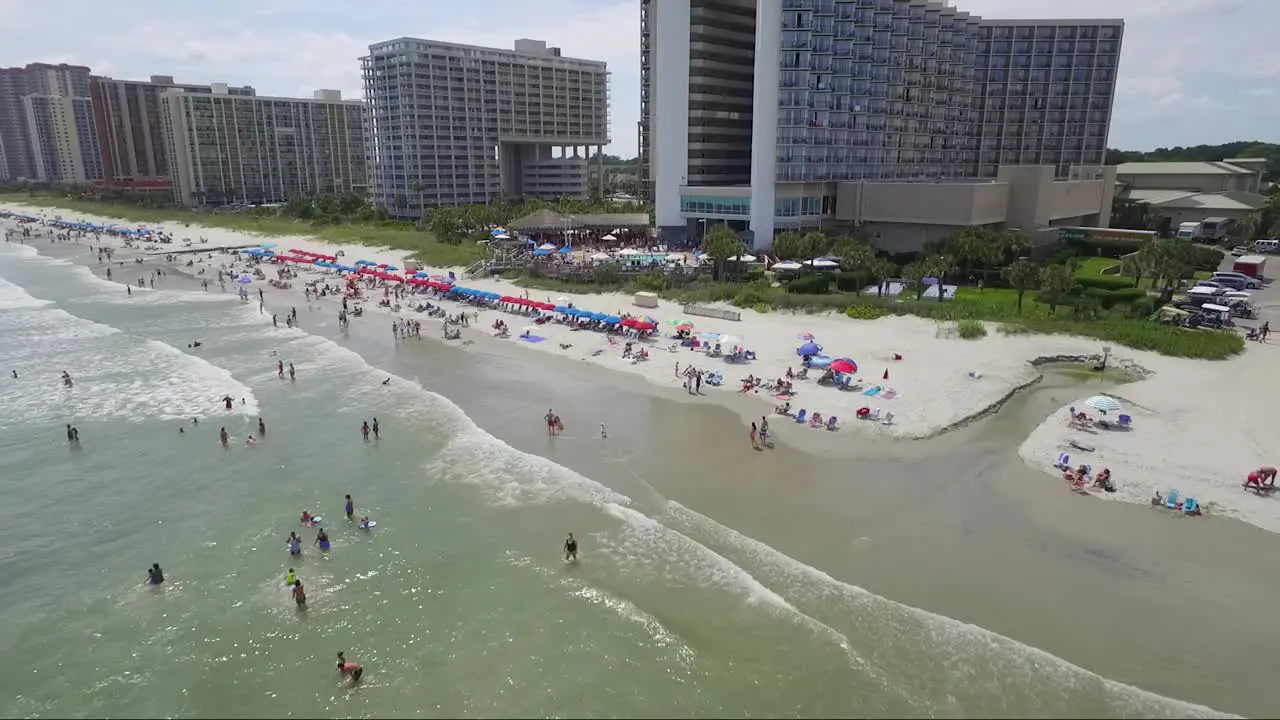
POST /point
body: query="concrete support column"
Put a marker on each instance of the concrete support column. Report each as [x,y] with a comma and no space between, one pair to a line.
[764,120]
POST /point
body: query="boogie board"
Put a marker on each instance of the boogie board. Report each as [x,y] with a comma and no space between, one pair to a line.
[316,520]
[372,524]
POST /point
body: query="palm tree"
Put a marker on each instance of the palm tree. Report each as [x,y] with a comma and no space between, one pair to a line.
[789,245]
[1024,275]
[720,244]
[855,255]
[937,266]
[1057,281]
[972,246]
[879,270]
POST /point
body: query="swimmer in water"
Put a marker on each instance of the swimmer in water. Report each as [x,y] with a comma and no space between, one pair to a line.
[251,440]
[299,594]
[349,669]
[66,379]
[292,373]
[322,539]
[290,578]
[571,548]
[364,523]
[387,381]
[307,518]
[350,508]
[224,437]
[15,374]
[227,401]
[262,427]
[295,544]
[155,575]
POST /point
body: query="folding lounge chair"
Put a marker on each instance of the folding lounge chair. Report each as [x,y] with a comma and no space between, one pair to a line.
[1171,502]
[1125,421]
[800,416]
[831,423]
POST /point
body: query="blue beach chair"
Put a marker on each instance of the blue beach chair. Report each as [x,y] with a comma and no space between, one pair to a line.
[1125,421]
[800,416]
[831,423]
[1191,506]
[1171,502]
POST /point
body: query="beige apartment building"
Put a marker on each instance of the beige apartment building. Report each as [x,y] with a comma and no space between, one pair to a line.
[226,149]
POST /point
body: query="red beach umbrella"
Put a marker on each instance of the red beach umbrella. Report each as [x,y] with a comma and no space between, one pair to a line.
[643,325]
[843,366]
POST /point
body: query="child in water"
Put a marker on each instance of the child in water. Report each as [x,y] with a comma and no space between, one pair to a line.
[155,575]
[299,594]
[364,523]
[349,669]
[290,578]
[307,518]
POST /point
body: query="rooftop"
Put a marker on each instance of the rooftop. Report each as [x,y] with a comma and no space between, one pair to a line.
[1237,200]
[1180,168]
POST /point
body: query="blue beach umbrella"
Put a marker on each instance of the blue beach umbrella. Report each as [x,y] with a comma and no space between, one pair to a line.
[819,361]
[562,308]
[540,252]
[565,250]
[267,244]
[809,348]
[708,336]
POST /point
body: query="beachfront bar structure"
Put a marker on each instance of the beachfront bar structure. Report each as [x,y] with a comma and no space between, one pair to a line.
[248,149]
[458,124]
[906,119]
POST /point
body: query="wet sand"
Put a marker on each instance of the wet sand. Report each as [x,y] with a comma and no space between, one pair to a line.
[957,525]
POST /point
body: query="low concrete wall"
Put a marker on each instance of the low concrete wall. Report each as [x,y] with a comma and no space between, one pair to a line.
[704,311]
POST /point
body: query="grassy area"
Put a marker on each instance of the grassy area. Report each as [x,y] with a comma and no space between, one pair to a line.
[1098,267]
[394,234]
[990,305]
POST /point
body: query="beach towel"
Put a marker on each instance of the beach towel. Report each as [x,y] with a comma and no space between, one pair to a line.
[532,338]
[889,394]
[873,391]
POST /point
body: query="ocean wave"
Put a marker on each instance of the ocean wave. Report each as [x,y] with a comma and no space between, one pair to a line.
[116,375]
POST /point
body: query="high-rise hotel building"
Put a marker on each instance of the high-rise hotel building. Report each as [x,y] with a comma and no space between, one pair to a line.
[907,118]
[459,124]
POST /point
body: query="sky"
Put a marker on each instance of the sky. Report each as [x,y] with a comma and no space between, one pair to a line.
[1192,71]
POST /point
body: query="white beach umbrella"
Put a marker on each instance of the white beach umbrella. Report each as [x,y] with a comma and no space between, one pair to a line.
[610,236]
[743,258]
[502,236]
[787,265]
[1103,403]
[822,263]
[548,246]
[629,251]
[600,256]
[729,341]
[675,256]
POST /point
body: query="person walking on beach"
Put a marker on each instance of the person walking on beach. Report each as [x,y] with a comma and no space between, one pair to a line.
[364,431]
[374,428]
[764,430]
[1265,330]
[571,548]
[292,373]
[755,437]
[280,369]
[275,320]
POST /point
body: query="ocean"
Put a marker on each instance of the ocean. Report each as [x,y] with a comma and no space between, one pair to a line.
[458,603]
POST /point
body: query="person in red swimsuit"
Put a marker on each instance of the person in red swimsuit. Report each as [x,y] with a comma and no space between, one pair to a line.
[349,669]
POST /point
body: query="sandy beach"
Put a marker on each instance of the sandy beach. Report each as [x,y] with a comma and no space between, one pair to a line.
[1191,429]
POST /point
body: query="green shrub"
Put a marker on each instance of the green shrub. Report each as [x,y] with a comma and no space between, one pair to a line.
[1108,299]
[849,282]
[1143,306]
[1207,258]
[1105,283]
[655,281]
[971,329]
[810,285]
[750,297]
[866,312]
[761,307]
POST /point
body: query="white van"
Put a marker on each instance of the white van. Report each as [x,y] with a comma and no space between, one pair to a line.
[1267,245]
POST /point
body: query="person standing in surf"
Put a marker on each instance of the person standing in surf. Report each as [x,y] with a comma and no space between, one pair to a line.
[350,509]
[292,373]
[224,437]
[262,427]
[155,575]
[322,540]
[295,544]
[364,431]
[571,548]
[550,417]
[374,428]
[299,594]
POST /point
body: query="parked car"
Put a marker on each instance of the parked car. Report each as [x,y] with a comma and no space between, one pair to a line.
[1216,287]
[1240,250]
[1250,283]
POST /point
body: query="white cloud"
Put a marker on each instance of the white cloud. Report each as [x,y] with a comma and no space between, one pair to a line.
[1181,58]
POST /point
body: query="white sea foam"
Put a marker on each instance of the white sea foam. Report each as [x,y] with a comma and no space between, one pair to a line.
[116,375]
[13,297]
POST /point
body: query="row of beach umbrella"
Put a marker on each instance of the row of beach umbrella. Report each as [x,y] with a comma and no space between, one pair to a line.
[812,351]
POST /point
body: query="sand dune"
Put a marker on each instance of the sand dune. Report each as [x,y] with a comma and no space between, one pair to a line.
[1198,426]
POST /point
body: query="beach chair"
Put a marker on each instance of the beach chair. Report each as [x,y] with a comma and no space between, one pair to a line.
[1191,506]
[800,416]
[888,418]
[831,423]
[1171,501]
[1063,461]
[874,415]
[1125,421]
